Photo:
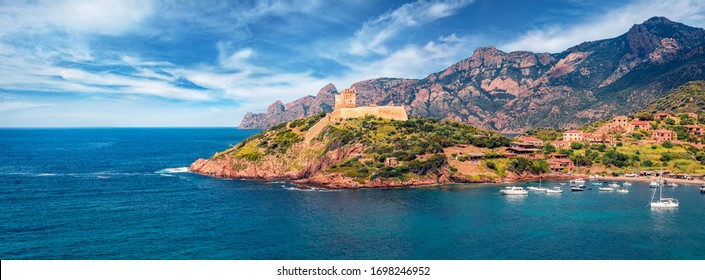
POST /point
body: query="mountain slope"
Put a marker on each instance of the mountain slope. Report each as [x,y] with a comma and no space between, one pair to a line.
[517,91]
[688,98]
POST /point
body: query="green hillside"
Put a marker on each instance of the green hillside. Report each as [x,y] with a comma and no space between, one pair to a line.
[688,98]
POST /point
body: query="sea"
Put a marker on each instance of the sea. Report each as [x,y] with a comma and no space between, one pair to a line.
[126,193]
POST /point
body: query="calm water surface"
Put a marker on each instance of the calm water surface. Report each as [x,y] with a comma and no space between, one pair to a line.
[124,194]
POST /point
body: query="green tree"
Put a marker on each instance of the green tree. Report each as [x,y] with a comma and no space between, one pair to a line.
[519,165]
[667,144]
[647,163]
[548,149]
[576,145]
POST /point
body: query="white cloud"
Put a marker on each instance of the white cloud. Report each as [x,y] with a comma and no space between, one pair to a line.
[17,105]
[557,38]
[74,16]
[374,34]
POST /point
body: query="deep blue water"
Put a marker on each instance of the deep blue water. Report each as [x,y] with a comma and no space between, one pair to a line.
[118,194]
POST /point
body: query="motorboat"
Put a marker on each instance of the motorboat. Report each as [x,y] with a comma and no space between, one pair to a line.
[577,182]
[702,189]
[513,190]
[577,189]
[606,189]
[626,184]
[563,184]
[653,184]
[536,189]
[614,185]
[622,190]
[671,185]
[597,184]
[662,202]
[554,190]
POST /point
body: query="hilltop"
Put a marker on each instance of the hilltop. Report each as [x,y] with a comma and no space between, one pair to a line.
[517,91]
[362,152]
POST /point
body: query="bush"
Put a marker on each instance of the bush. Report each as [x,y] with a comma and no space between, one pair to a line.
[576,146]
[490,165]
[647,163]
[667,144]
[666,157]
[548,149]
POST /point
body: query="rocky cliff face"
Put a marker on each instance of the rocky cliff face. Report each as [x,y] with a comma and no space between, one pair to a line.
[517,91]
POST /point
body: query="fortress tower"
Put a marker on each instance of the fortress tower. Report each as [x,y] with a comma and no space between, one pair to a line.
[346,99]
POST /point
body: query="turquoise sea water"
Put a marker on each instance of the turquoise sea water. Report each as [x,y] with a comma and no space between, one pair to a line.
[123,194]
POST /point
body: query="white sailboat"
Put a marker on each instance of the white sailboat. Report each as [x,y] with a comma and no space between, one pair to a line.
[662,202]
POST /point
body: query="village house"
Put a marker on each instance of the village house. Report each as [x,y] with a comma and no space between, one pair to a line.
[638,125]
[693,115]
[621,121]
[573,135]
[561,165]
[694,129]
[523,148]
[661,135]
[597,138]
[662,116]
[560,144]
[531,140]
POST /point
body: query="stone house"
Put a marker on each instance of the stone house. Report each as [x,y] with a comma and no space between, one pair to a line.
[661,135]
[694,129]
[561,164]
[573,135]
[531,141]
[638,125]
[662,116]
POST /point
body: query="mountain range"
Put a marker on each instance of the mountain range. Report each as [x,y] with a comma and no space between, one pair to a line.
[517,91]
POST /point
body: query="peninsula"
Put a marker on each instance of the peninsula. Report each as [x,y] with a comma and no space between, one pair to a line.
[380,146]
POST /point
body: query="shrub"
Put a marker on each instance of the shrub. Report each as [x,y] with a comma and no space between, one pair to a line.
[667,144]
[491,165]
[647,163]
[576,146]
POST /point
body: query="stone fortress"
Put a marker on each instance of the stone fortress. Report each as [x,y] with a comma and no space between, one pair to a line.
[346,108]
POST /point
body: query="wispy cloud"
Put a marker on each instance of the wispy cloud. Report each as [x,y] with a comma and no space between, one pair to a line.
[559,37]
[374,34]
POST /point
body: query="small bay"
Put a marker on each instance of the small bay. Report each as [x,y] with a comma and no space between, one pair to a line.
[124,193]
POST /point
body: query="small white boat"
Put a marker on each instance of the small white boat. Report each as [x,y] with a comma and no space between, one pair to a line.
[622,190]
[577,182]
[672,185]
[597,184]
[593,177]
[702,189]
[662,202]
[626,184]
[577,189]
[614,185]
[514,191]
[606,189]
[653,184]
[554,190]
[563,184]
[536,189]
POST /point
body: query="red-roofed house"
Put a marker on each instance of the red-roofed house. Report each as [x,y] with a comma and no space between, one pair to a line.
[596,138]
[573,135]
[694,129]
[638,125]
[661,116]
[561,165]
[532,141]
[661,135]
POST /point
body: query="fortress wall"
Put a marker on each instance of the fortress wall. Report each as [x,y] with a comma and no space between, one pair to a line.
[385,112]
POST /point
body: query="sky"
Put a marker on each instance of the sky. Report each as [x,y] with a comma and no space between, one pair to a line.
[126,63]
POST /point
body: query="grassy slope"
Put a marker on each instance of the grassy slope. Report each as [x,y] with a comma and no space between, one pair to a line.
[688,98]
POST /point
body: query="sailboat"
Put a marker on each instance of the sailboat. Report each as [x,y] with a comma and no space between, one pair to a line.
[662,202]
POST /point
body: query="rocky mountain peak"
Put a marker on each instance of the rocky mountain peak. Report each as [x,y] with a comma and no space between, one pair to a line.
[328,89]
[276,108]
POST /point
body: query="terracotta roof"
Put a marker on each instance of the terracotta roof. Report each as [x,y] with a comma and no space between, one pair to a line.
[529,138]
[640,122]
[574,131]
[559,160]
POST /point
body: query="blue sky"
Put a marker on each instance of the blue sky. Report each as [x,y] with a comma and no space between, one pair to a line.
[207,63]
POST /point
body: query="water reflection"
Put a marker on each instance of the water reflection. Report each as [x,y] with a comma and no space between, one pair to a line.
[515,199]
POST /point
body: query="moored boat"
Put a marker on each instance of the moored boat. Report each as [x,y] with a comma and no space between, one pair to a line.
[613,185]
[626,184]
[653,184]
[606,189]
[662,202]
[623,190]
[554,190]
[513,190]
[702,189]
[577,189]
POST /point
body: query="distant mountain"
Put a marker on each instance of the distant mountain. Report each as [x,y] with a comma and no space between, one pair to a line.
[517,91]
[688,98]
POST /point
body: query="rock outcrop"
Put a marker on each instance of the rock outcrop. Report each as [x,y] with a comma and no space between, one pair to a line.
[517,91]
